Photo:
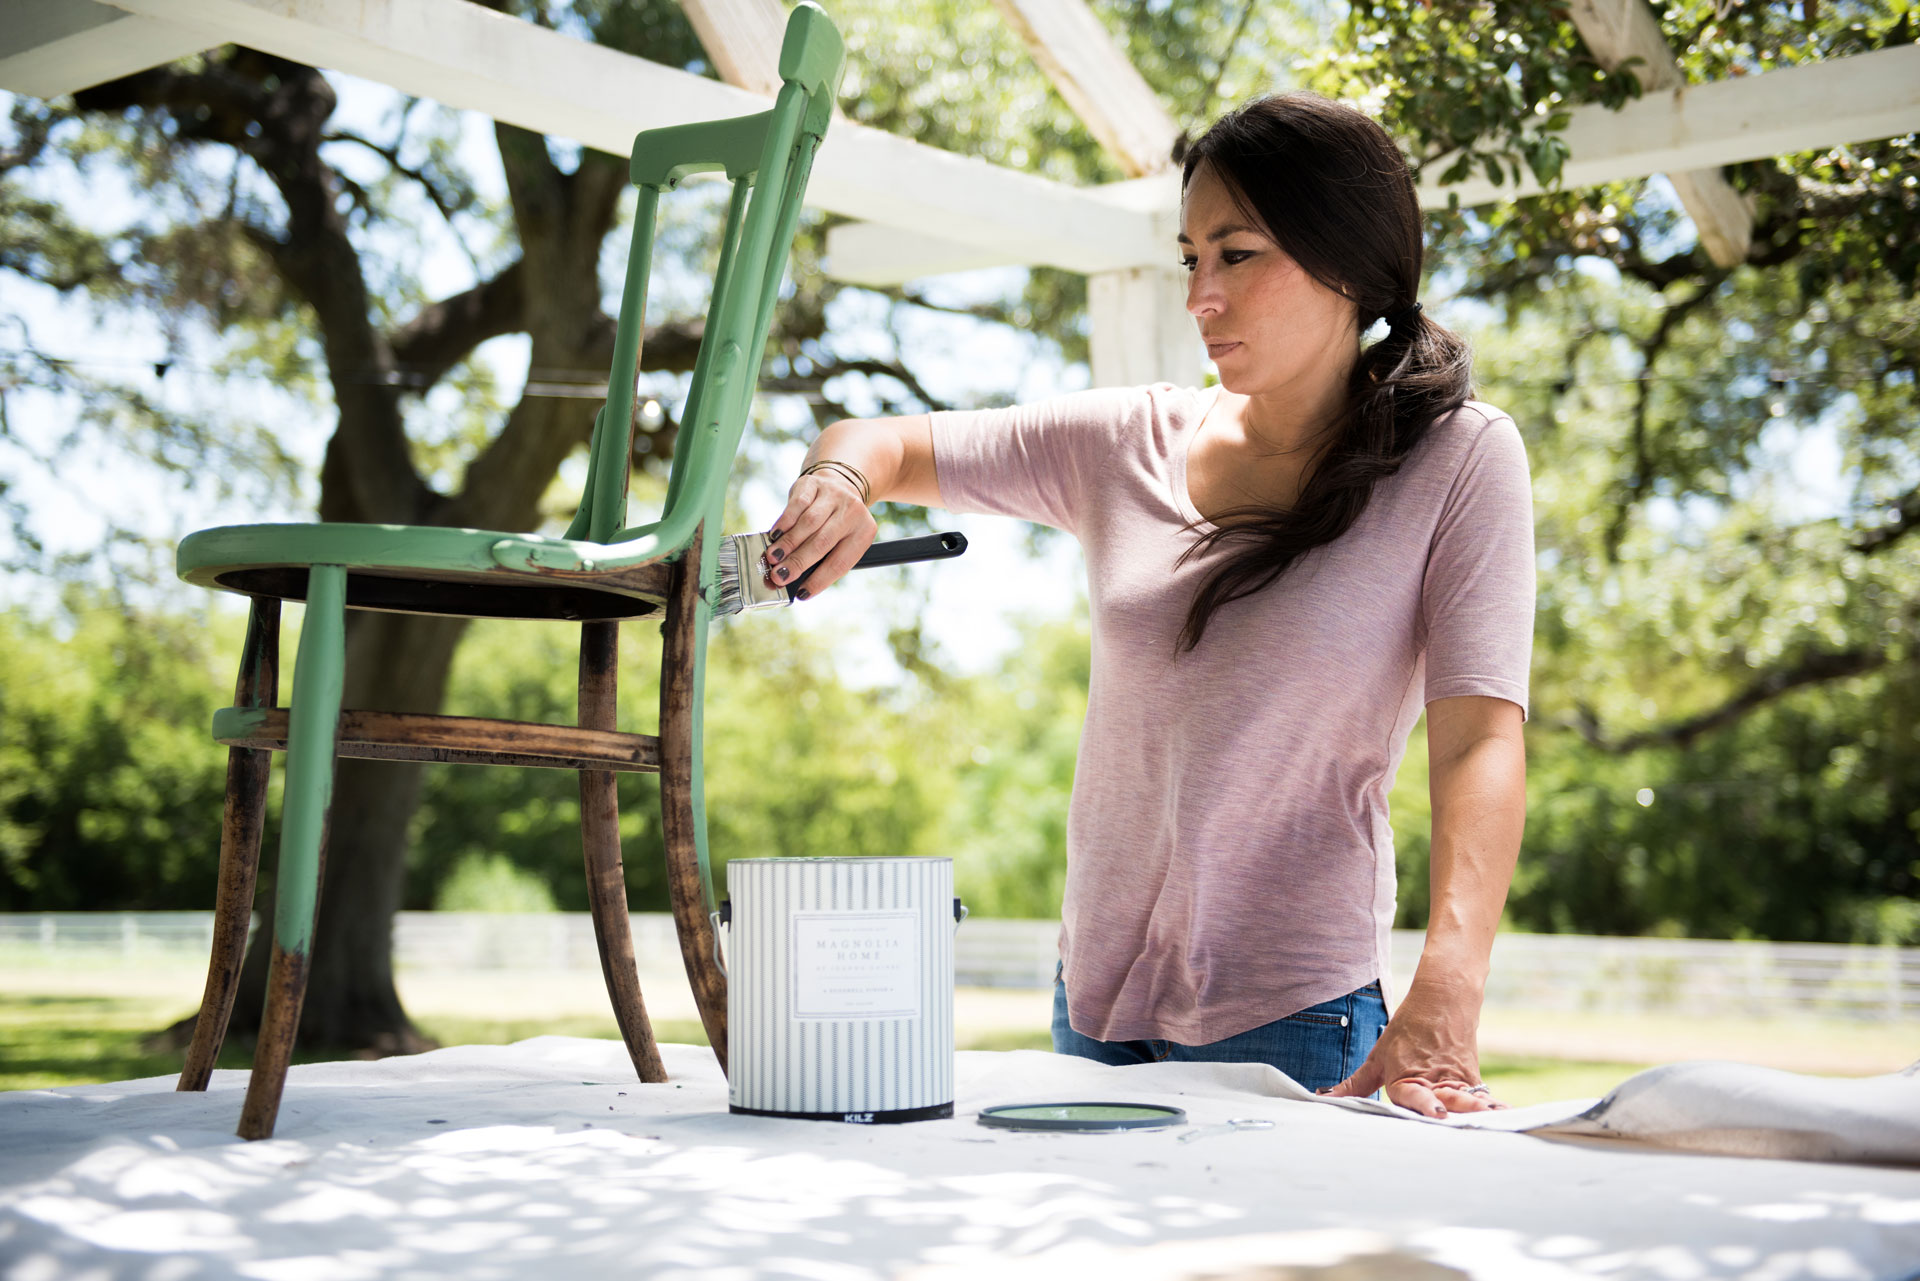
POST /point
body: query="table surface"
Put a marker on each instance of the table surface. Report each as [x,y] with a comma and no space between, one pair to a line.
[511,1161]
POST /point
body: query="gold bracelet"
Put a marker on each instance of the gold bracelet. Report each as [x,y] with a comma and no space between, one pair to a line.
[851,472]
[846,471]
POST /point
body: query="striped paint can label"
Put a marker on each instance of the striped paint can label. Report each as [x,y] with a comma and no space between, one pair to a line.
[840,988]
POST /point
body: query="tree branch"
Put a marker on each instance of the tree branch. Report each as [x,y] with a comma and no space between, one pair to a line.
[34,132]
[1813,669]
[1205,109]
[999,313]
[444,333]
[438,199]
[815,379]
[274,111]
[1906,519]
[504,482]
[1641,480]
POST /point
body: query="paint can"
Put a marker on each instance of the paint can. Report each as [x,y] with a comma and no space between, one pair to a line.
[840,988]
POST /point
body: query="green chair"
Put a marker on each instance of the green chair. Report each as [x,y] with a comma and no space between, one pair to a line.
[598,574]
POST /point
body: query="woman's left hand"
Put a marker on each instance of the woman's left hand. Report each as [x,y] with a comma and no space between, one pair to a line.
[1428,1059]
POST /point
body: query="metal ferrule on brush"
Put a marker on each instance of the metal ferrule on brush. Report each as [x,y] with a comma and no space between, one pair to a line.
[741,560]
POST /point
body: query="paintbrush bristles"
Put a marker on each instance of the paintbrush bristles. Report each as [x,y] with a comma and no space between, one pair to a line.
[740,576]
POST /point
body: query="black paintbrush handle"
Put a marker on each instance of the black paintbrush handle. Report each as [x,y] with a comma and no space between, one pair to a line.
[902,551]
[905,551]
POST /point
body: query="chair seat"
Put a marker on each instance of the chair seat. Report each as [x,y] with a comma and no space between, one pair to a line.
[428,569]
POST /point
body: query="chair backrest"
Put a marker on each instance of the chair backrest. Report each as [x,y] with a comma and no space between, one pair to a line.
[767,157]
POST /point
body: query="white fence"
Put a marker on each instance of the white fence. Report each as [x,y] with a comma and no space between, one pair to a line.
[1530,971]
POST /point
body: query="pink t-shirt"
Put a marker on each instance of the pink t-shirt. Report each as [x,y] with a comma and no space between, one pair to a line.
[1229,860]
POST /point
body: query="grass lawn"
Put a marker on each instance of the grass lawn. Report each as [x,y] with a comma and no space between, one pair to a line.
[49,1040]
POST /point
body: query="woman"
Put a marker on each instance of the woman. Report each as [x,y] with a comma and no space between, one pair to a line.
[1283,571]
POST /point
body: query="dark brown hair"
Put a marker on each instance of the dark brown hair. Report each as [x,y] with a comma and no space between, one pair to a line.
[1333,192]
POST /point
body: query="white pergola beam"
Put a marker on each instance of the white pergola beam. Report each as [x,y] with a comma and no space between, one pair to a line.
[1618,31]
[1097,79]
[871,253]
[1140,331]
[1806,108]
[743,39]
[51,47]
[464,56]
[1858,98]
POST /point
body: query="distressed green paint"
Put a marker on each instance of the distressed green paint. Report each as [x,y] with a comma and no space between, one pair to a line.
[661,156]
[261,674]
[232,723]
[312,734]
[813,56]
[583,518]
[701,383]
[762,217]
[769,157]
[612,448]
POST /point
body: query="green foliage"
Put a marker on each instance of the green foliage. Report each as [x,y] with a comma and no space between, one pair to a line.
[798,764]
[109,788]
[492,883]
[1008,822]
[1724,689]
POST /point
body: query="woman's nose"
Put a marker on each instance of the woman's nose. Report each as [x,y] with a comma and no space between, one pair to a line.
[1203,293]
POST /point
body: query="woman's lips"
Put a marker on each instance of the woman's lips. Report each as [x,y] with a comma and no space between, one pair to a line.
[1215,350]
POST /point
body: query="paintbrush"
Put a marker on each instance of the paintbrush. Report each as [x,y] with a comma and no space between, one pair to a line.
[741,562]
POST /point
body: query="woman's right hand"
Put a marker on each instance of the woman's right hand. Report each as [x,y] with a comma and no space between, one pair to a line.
[825,527]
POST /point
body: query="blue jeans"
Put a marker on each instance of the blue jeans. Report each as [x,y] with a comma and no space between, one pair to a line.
[1319,1047]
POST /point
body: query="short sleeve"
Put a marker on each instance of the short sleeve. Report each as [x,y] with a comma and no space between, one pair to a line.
[1478,594]
[1030,461]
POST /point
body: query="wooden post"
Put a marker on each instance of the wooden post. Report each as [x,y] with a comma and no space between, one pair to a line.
[1617,30]
[1141,330]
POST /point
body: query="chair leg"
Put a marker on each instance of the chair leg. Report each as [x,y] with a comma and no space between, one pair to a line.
[600,842]
[312,736]
[682,803]
[240,828]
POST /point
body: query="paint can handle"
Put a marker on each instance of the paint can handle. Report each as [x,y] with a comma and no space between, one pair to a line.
[959,913]
[722,917]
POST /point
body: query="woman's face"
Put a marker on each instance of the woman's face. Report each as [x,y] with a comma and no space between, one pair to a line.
[1268,325]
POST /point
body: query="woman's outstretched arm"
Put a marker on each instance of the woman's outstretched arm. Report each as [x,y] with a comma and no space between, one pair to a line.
[826,522]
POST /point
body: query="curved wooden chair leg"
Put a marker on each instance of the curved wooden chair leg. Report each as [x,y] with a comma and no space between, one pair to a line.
[240,828]
[312,736]
[600,842]
[682,812]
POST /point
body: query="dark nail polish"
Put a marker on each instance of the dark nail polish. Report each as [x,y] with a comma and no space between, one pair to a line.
[802,594]
[775,555]
[780,575]
[774,534]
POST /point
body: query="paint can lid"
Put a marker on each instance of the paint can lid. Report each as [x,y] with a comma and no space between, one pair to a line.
[1082,1116]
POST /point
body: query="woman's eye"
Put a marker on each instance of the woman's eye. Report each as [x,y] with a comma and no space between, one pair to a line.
[1235,256]
[1189,262]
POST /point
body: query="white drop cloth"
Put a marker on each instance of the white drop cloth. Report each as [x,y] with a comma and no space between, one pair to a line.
[547,1159]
